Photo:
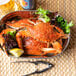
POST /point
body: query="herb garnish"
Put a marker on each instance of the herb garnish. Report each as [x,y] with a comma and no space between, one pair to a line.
[43,14]
[12,33]
[64,24]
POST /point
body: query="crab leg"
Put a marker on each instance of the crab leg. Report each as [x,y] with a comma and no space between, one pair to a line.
[19,40]
[21,34]
[2,42]
[57,48]
[21,23]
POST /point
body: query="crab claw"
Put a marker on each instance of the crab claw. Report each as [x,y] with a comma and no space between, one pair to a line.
[22,23]
[2,46]
[48,50]
[1,40]
[57,48]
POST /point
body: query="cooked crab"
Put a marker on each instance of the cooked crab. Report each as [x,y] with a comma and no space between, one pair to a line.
[40,39]
[36,37]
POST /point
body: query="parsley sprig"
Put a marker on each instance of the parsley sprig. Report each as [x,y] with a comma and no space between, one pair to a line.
[64,24]
[12,33]
[43,14]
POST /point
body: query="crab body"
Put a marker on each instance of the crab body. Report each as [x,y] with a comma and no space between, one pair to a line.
[36,37]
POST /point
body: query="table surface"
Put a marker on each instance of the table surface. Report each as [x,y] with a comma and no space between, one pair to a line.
[64,64]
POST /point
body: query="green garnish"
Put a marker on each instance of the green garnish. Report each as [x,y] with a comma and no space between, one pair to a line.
[42,11]
[43,14]
[60,20]
[12,33]
[70,24]
[64,24]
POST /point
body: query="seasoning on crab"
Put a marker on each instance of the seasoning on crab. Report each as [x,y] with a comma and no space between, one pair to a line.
[35,39]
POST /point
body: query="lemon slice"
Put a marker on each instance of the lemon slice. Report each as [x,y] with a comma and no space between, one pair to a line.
[16,52]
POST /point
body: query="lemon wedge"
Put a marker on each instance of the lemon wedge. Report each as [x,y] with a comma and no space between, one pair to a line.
[16,52]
